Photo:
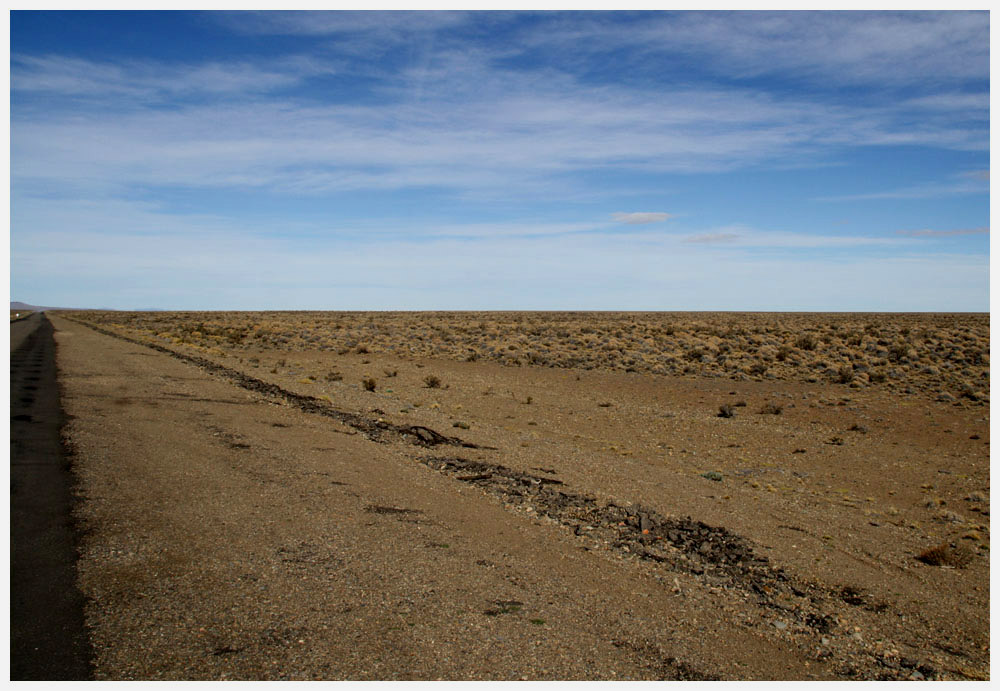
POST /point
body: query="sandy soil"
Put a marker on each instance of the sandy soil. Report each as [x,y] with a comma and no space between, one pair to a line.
[254,512]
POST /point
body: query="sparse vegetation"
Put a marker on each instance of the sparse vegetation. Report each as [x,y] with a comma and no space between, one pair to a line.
[368,384]
[936,354]
[432,382]
[946,554]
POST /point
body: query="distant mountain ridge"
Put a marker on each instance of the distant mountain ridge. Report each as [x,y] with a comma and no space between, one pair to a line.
[25,307]
[14,305]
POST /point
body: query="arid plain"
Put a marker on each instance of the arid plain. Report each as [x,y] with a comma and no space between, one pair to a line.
[480,495]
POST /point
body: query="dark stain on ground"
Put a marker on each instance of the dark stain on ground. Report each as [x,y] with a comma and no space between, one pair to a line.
[48,639]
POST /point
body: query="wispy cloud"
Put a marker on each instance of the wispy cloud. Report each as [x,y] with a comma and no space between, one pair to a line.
[943,233]
[956,188]
[150,82]
[483,231]
[712,238]
[845,47]
[490,150]
[296,23]
[746,237]
[475,127]
[641,217]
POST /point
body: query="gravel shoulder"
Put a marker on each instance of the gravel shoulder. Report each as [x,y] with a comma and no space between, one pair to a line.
[231,534]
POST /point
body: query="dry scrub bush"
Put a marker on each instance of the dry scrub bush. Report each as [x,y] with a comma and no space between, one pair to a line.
[806,342]
[946,554]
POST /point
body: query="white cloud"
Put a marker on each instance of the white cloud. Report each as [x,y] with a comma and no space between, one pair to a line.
[839,47]
[641,217]
[457,124]
[454,119]
[842,47]
[321,23]
[131,82]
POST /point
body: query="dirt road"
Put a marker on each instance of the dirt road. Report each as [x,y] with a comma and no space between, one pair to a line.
[237,530]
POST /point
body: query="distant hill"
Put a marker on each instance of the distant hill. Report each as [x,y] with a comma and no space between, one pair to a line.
[25,307]
[37,308]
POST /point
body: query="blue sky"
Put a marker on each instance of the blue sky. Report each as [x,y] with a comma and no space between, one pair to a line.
[494,160]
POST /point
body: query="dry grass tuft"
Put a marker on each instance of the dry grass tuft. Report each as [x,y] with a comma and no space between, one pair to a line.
[946,554]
